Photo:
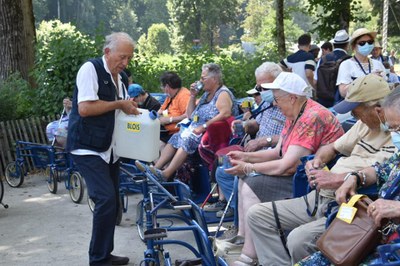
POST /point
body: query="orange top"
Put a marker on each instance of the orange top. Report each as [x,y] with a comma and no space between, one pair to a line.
[176,107]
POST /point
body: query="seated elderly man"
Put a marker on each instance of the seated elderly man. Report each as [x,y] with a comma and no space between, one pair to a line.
[268,173]
[367,142]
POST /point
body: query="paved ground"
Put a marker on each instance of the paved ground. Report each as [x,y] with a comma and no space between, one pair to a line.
[40,228]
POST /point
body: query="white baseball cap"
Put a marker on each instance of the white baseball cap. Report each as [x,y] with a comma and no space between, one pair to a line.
[289,82]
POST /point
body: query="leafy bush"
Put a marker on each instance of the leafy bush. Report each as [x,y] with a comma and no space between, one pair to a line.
[60,51]
[238,68]
[15,98]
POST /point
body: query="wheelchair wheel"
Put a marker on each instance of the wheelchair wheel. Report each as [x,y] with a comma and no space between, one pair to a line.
[14,174]
[52,181]
[140,219]
[90,203]
[76,187]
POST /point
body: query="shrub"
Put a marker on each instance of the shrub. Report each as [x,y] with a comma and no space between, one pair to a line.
[15,98]
[60,51]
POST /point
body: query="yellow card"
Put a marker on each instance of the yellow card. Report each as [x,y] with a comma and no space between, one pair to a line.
[325,168]
[346,213]
[195,118]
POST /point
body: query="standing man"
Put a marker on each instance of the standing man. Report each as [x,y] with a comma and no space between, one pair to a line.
[100,94]
[301,62]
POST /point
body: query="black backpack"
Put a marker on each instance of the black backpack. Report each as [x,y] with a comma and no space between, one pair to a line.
[327,74]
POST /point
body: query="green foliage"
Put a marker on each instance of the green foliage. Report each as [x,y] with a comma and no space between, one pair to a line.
[198,19]
[60,51]
[238,68]
[260,27]
[157,41]
[15,98]
[334,15]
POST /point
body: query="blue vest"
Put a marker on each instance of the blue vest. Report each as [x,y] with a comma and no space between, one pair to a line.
[94,132]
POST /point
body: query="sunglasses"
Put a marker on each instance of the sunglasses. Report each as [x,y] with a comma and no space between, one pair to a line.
[259,88]
[362,43]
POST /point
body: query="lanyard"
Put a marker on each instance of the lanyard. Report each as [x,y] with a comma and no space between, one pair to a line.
[292,126]
[369,66]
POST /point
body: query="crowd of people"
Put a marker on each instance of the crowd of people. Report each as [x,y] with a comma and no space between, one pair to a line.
[292,121]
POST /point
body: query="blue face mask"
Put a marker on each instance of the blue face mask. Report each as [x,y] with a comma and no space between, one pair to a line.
[365,49]
[383,126]
[267,96]
[396,139]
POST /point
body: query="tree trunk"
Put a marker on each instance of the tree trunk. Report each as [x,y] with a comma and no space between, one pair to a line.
[30,37]
[280,29]
[17,37]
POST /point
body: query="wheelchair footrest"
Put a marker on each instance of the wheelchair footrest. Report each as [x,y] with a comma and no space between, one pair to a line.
[192,262]
[138,179]
[181,205]
[155,233]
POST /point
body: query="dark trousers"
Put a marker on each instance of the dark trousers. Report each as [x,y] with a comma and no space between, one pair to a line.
[102,181]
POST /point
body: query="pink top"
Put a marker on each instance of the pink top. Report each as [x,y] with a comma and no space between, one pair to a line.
[317,126]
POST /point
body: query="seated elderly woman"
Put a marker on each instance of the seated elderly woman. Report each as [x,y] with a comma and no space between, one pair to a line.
[382,174]
[268,173]
[216,104]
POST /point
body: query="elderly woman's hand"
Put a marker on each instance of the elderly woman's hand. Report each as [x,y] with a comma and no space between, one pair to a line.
[237,168]
[381,209]
[237,155]
[199,130]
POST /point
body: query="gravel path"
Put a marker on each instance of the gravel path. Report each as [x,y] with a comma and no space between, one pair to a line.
[40,228]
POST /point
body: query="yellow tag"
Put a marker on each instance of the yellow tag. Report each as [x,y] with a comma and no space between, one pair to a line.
[195,118]
[133,126]
[325,168]
[246,104]
[346,211]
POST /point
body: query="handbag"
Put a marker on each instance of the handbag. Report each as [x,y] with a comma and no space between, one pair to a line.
[345,243]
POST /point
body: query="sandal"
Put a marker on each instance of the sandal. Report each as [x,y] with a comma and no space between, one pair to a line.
[245,260]
[158,173]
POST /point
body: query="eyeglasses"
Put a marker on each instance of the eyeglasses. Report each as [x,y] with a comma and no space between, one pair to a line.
[362,43]
[277,98]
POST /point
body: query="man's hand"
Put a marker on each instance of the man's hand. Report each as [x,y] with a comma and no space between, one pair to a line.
[252,145]
[346,190]
[129,107]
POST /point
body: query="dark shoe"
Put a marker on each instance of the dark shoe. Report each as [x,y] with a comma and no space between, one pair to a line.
[119,260]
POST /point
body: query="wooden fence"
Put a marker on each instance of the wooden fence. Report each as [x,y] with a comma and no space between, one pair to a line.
[30,129]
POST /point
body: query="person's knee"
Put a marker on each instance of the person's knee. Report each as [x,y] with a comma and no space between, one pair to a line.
[297,241]
[252,214]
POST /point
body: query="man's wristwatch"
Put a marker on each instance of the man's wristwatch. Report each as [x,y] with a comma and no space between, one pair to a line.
[269,141]
[205,126]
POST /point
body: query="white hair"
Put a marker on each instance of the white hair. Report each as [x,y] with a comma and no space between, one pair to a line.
[270,68]
[114,38]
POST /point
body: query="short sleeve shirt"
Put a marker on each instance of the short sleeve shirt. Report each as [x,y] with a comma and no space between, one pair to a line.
[176,107]
[349,70]
[299,62]
[270,122]
[317,126]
